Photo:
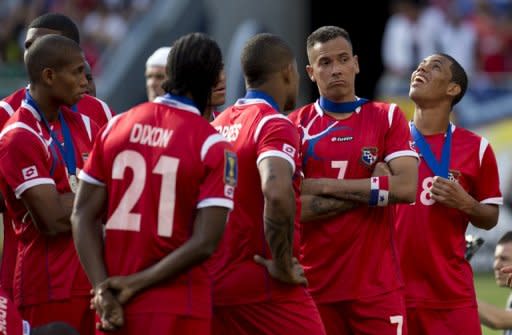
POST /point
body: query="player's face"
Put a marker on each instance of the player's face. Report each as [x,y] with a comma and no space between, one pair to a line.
[219,91]
[155,77]
[334,68]
[502,257]
[293,91]
[431,80]
[35,33]
[91,84]
[69,83]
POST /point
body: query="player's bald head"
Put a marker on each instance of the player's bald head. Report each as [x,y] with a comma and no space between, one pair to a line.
[49,51]
[264,54]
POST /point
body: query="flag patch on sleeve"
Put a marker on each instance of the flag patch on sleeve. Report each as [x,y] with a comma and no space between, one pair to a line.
[230,168]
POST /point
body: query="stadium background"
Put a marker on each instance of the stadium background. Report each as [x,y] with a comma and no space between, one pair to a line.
[119,35]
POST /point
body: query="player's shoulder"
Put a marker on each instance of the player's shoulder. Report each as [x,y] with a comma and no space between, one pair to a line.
[12,102]
[381,107]
[469,137]
[303,112]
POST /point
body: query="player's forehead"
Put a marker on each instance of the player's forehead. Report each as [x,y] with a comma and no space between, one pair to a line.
[437,59]
[35,33]
[504,250]
[160,70]
[330,49]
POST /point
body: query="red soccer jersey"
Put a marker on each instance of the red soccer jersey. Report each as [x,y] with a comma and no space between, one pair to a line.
[160,162]
[431,237]
[11,322]
[96,109]
[352,255]
[47,268]
[257,131]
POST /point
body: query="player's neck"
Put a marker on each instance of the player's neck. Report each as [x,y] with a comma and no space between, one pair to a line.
[431,121]
[46,105]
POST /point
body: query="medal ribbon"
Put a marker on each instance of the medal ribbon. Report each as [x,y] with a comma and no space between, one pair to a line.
[439,168]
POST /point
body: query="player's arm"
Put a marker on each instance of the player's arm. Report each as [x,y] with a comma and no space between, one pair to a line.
[208,229]
[451,194]
[401,184]
[278,216]
[49,209]
[494,317]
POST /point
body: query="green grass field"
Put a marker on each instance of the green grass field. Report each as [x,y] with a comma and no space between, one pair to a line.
[487,290]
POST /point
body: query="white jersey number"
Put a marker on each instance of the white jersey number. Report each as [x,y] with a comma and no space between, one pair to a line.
[425,195]
[123,218]
[399,320]
[341,166]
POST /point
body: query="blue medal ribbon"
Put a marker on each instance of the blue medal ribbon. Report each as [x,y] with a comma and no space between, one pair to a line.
[439,168]
[255,94]
[340,107]
[68,151]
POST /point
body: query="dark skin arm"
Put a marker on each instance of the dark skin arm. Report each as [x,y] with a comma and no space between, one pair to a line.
[278,215]
[49,209]
[316,207]
[208,229]
[402,184]
[451,194]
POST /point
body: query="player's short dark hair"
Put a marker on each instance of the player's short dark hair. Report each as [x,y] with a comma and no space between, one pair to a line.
[505,238]
[193,66]
[263,55]
[459,77]
[54,328]
[58,22]
[325,34]
[49,51]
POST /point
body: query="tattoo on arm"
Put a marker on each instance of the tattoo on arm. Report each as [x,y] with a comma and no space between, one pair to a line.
[279,235]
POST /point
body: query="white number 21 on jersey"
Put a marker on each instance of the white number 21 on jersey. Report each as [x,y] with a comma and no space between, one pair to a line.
[123,218]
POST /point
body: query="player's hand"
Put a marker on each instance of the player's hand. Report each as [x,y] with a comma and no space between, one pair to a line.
[508,269]
[381,169]
[108,308]
[123,287]
[295,275]
[450,193]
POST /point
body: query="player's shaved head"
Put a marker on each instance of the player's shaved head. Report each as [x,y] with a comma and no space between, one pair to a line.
[193,66]
[325,34]
[49,51]
[58,22]
[263,55]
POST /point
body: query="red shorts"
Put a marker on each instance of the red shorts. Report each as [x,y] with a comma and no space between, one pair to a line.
[161,323]
[297,318]
[423,321]
[74,311]
[382,315]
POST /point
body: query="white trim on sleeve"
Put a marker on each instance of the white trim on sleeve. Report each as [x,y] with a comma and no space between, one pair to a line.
[88,179]
[401,153]
[8,108]
[220,202]
[209,142]
[31,183]
[276,153]
[493,201]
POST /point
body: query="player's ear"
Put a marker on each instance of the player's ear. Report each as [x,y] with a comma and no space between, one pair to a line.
[309,70]
[47,76]
[453,89]
[287,73]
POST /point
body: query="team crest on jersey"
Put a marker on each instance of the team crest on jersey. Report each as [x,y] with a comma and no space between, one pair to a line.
[29,172]
[453,175]
[85,155]
[412,145]
[369,155]
[230,168]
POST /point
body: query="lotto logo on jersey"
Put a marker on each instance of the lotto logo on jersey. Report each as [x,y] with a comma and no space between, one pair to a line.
[369,155]
[29,172]
[229,191]
[288,149]
[230,168]
[453,175]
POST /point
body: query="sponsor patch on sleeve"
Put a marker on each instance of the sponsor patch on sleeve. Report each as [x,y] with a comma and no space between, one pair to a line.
[289,150]
[29,172]
[230,168]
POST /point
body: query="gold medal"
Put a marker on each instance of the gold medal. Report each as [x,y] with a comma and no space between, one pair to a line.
[73,183]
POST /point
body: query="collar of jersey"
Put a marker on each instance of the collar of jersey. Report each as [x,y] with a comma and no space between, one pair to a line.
[177,102]
[321,111]
[257,97]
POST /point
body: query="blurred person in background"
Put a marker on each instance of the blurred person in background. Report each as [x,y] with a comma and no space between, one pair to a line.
[492,316]
[91,84]
[155,72]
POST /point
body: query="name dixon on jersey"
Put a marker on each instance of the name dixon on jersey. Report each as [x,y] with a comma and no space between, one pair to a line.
[152,136]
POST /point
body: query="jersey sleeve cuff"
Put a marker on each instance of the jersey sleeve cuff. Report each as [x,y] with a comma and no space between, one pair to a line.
[220,202]
[31,183]
[89,179]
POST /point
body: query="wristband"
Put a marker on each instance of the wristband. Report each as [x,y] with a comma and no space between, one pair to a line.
[383,198]
[374,191]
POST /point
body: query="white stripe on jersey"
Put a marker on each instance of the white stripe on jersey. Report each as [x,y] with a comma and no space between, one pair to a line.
[265,120]
[87,178]
[22,125]
[106,109]
[221,202]
[483,146]
[209,142]
[7,107]
[493,201]
[87,124]
[391,111]
[110,124]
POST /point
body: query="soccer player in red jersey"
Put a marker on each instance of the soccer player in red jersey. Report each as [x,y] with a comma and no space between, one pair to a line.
[458,183]
[266,294]
[96,109]
[164,179]
[347,242]
[42,148]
